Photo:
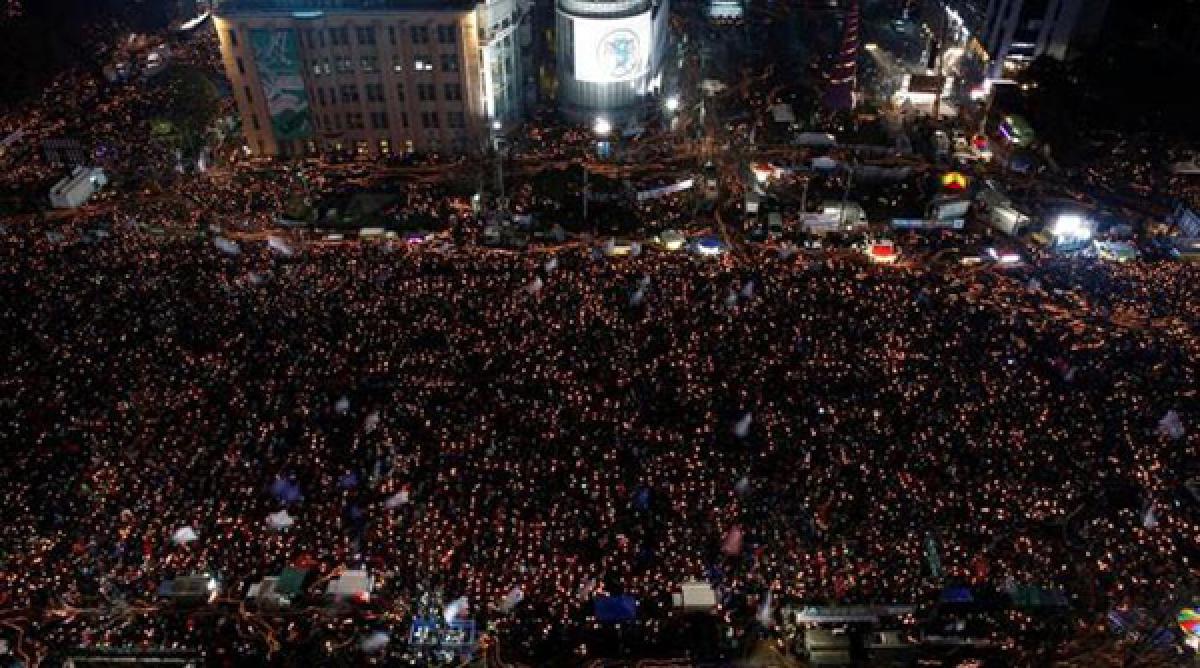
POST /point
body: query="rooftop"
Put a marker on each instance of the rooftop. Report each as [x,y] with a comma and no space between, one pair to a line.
[315,7]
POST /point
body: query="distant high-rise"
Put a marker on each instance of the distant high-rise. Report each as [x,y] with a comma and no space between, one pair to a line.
[610,56]
[1016,32]
[372,77]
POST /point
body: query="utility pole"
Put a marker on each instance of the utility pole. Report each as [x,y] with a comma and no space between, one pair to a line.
[941,49]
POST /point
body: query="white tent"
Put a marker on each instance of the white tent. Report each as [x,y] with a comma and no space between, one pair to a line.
[184,535]
[280,520]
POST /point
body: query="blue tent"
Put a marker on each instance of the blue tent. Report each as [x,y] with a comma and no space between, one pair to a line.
[616,608]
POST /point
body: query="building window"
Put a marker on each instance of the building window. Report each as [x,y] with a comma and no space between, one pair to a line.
[374,92]
[423,63]
[400,92]
[426,92]
[311,37]
[453,92]
[241,67]
[321,38]
[254,121]
[354,120]
[316,68]
[328,125]
[321,96]
[404,119]
[456,119]
[397,63]
[325,68]
[429,120]
[349,93]
[379,120]
[370,64]
[392,35]
[233,37]
[249,97]
[449,62]
[420,34]
[385,147]
[447,34]
[365,35]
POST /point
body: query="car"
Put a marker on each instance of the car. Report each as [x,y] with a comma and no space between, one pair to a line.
[670,240]
[618,247]
[775,226]
[709,246]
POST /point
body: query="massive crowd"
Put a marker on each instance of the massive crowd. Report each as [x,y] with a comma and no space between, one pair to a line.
[576,427]
[554,422]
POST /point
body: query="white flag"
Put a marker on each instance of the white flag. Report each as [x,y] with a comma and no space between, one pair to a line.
[457,608]
[1150,518]
[766,615]
[396,500]
[514,596]
[742,428]
[280,246]
[227,246]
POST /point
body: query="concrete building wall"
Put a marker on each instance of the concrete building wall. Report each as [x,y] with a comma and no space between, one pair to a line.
[401,81]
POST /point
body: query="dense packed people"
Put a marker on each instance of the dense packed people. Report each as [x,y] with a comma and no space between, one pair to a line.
[576,427]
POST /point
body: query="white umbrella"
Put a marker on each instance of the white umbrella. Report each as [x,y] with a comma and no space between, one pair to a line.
[184,535]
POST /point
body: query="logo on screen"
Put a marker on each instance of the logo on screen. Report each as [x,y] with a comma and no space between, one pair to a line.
[620,54]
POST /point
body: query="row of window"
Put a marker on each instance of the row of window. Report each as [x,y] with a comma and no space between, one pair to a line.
[370,64]
[348,93]
[368,35]
[379,120]
[361,148]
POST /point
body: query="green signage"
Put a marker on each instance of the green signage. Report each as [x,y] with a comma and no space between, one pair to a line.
[277,55]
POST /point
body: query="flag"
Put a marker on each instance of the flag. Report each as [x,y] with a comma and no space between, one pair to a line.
[227,246]
[514,596]
[278,245]
[766,615]
[551,264]
[375,642]
[742,428]
[748,290]
[1171,426]
[457,608]
[398,499]
[731,544]
[637,297]
[1150,518]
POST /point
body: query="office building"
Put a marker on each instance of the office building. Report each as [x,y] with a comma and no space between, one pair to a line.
[367,78]
[1016,32]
